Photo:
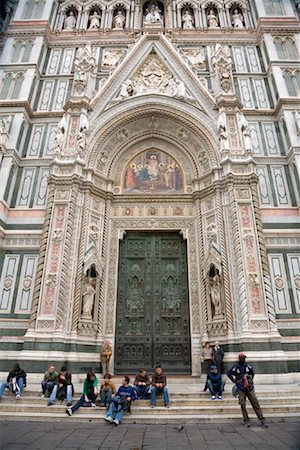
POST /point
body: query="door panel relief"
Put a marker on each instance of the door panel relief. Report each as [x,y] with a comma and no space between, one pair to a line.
[152,309]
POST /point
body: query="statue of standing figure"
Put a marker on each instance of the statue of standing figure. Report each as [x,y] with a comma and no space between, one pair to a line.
[88,297]
[70,22]
[212,20]
[237,19]
[187,20]
[119,19]
[215,295]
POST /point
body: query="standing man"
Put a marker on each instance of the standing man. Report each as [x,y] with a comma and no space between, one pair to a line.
[242,375]
[218,355]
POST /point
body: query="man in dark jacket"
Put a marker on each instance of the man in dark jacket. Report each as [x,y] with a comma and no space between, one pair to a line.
[214,382]
[242,375]
[159,384]
[16,381]
[63,388]
[142,383]
[218,355]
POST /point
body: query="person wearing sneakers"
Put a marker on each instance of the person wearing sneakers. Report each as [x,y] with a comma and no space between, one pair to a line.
[63,388]
[121,401]
[159,384]
[90,392]
[242,375]
[214,382]
[16,381]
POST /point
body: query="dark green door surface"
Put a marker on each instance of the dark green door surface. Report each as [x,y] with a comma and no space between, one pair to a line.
[152,308]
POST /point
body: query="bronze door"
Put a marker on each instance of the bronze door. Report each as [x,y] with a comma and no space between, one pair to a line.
[152,325]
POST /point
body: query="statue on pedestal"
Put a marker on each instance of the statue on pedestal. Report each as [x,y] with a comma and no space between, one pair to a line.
[88,297]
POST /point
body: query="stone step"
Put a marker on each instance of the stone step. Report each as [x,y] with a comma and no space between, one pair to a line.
[154,418]
[216,408]
[175,401]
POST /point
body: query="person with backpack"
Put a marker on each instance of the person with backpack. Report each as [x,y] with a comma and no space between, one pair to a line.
[121,402]
[63,388]
[15,382]
[90,392]
[242,375]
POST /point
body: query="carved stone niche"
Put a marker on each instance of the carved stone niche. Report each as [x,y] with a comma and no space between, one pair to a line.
[87,325]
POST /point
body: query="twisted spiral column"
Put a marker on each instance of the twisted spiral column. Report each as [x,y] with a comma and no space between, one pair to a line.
[239,262]
[105,257]
[264,260]
[203,299]
[227,292]
[41,260]
[80,261]
[65,280]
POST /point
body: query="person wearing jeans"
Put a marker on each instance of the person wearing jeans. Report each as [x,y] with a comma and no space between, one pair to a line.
[90,392]
[63,386]
[124,396]
[214,382]
[49,381]
[159,384]
[16,380]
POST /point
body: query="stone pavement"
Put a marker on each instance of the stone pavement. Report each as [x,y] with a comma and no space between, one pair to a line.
[17,435]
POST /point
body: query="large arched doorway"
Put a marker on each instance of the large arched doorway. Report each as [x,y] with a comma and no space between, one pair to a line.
[152,323]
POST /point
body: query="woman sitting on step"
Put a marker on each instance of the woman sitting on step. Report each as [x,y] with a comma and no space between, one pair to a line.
[90,392]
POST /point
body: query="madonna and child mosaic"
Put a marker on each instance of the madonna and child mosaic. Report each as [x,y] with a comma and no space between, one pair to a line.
[153,171]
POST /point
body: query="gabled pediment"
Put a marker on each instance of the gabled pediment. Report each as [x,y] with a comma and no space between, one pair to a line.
[153,66]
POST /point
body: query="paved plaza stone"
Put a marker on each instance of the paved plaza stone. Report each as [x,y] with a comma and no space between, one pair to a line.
[18,435]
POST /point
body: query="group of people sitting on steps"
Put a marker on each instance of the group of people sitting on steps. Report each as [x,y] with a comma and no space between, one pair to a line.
[59,386]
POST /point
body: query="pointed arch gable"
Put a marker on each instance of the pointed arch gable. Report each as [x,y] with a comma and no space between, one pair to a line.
[136,57]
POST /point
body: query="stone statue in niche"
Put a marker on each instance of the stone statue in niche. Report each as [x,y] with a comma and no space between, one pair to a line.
[212,20]
[237,19]
[88,298]
[60,134]
[215,287]
[81,141]
[223,135]
[187,20]
[4,129]
[94,20]
[119,20]
[246,133]
[70,22]
[153,15]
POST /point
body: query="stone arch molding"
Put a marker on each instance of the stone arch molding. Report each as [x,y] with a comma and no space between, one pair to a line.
[178,129]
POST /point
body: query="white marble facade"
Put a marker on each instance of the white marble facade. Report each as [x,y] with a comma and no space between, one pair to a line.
[120,80]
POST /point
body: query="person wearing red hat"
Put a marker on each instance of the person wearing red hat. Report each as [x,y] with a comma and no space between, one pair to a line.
[242,375]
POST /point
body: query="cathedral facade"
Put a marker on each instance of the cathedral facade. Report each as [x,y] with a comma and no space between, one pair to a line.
[149,183]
